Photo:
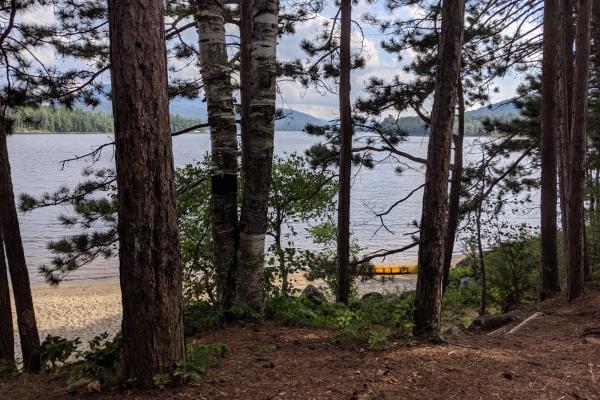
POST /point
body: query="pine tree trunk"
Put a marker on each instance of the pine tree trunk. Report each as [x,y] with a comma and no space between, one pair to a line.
[216,77]
[482,269]
[7,335]
[595,99]
[15,256]
[550,125]
[150,270]
[565,111]
[345,163]
[257,159]
[435,199]
[455,186]
[575,266]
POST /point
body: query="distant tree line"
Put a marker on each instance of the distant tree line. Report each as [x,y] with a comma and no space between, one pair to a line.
[49,119]
[414,126]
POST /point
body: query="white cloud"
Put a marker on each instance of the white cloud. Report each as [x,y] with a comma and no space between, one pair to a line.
[323,104]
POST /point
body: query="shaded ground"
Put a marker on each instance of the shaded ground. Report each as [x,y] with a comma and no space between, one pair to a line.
[548,359]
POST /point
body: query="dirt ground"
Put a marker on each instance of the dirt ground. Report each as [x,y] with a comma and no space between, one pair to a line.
[548,359]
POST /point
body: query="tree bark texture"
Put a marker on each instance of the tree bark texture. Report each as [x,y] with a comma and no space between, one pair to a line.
[7,334]
[435,199]
[455,186]
[550,126]
[17,266]
[216,77]
[565,111]
[575,265]
[345,162]
[257,156]
[482,268]
[246,11]
[150,270]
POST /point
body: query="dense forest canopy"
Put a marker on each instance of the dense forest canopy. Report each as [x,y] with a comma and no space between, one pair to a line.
[60,120]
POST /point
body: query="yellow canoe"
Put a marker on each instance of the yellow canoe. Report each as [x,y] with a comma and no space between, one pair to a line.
[394,269]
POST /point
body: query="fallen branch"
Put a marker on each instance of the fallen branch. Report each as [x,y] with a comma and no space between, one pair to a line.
[522,324]
[384,254]
[592,331]
[487,323]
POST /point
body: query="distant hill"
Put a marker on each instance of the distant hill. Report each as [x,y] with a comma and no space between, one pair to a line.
[414,126]
[296,121]
[502,109]
[196,110]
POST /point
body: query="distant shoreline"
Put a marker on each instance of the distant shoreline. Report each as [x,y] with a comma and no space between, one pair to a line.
[35,132]
[199,132]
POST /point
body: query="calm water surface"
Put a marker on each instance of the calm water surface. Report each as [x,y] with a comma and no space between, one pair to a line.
[36,169]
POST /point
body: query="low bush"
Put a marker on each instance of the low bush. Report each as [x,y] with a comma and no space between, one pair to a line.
[8,368]
[297,311]
[200,357]
[101,364]
[56,350]
[199,316]
[370,321]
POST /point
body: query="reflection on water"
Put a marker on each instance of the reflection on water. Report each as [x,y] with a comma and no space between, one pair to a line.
[36,169]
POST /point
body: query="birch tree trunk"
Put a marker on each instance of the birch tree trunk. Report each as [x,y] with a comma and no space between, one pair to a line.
[455,186]
[246,11]
[549,279]
[435,199]
[258,153]
[17,266]
[7,334]
[149,265]
[216,77]
[575,265]
[345,163]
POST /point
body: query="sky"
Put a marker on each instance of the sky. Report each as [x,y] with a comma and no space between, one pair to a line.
[291,94]
[379,63]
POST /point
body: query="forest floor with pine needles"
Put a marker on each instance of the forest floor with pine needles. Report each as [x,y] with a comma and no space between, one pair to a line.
[550,358]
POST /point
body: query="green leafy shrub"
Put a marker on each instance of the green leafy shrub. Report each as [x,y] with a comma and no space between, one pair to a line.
[8,368]
[193,206]
[200,357]
[290,310]
[298,194]
[56,350]
[102,363]
[459,272]
[296,311]
[199,316]
[514,266]
[455,298]
[392,310]
[352,328]
[322,265]
[370,321]
[378,338]
[241,311]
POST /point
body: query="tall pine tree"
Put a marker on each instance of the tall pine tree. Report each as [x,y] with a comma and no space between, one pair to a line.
[149,265]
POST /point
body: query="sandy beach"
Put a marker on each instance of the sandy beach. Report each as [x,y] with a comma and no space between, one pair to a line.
[81,309]
[85,309]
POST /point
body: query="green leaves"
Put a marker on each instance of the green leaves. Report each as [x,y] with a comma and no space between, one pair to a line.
[101,364]
[199,357]
[56,350]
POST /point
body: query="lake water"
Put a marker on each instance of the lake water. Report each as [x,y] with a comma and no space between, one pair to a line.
[36,169]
